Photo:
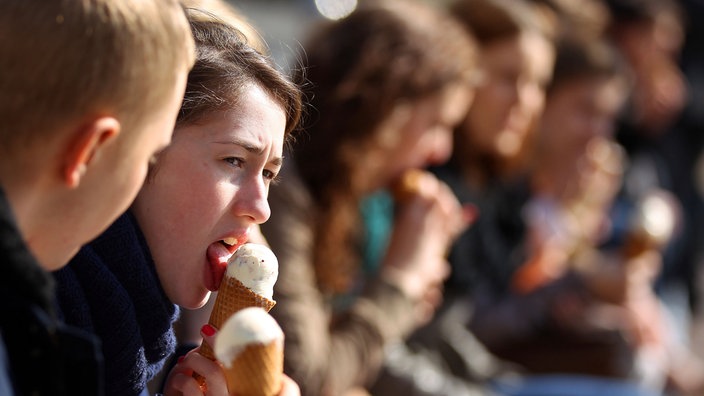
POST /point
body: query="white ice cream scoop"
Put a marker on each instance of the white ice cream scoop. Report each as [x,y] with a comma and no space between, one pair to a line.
[256,267]
[246,327]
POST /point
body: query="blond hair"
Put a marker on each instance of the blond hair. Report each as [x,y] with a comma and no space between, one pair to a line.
[61,61]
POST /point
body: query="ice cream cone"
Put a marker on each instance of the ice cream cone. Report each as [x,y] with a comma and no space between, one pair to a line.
[256,371]
[232,296]
[250,347]
[407,186]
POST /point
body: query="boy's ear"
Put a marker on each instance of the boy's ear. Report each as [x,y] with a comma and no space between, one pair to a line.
[86,144]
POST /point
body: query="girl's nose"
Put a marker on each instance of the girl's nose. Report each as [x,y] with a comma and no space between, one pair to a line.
[251,201]
[441,147]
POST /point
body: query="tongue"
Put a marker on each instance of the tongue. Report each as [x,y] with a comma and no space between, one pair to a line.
[217,255]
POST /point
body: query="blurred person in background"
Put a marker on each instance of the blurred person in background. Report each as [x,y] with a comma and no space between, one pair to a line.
[650,35]
[492,143]
[489,158]
[586,318]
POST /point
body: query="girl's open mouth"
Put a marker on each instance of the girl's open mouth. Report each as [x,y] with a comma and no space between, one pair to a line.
[217,255]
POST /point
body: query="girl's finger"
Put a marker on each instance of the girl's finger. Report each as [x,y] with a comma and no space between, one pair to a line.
[182,384]
[208,333]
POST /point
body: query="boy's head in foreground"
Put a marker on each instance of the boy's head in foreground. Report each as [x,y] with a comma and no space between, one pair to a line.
[89,92]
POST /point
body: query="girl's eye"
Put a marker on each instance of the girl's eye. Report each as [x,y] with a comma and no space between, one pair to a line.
[269,175]
[234,161]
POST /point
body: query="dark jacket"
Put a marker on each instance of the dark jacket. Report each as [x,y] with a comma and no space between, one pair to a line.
[488,252]
[44,356]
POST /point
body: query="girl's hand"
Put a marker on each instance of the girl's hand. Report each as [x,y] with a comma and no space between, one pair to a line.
[181,382]
[289,387]
[425,227]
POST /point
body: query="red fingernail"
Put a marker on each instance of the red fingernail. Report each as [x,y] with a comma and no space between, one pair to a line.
[470,212]
[208,330]
[181,358]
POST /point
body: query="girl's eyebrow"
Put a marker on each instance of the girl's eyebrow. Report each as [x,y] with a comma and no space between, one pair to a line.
[277,161]
[252,148]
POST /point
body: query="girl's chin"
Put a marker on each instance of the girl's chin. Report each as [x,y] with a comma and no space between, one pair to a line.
[190,299]
[195,302]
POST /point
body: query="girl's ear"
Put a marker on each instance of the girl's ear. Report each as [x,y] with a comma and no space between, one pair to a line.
[88,142]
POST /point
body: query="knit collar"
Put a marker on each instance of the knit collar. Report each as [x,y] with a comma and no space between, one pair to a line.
[111,288]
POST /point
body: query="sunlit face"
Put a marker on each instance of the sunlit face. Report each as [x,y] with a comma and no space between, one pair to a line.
[578,111]
[421,131]
[512,95]
[209,188]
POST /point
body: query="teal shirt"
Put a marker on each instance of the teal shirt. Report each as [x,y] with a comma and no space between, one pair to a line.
[377,212]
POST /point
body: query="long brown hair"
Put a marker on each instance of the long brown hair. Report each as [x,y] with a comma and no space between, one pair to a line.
[359,68]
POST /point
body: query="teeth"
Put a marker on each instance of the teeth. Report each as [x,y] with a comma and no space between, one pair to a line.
[230,241]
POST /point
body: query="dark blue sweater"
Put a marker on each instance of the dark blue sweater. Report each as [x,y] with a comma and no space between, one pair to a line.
[111,289]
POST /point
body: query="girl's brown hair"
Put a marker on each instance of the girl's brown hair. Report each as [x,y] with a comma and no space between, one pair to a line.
[225,65]
[225,12]
[359,69]
[584,58]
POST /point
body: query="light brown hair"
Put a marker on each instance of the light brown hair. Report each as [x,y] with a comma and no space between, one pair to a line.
[491,22]
[586,58]
[63,60]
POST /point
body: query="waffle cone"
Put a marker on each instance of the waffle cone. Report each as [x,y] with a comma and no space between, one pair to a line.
[407,186]
[232,296]
[257,370]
